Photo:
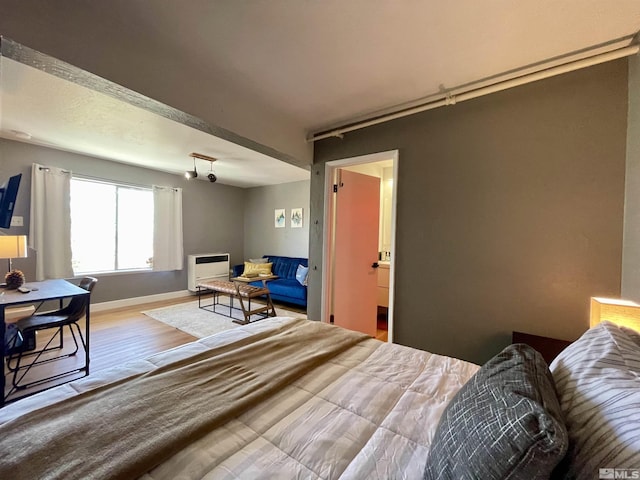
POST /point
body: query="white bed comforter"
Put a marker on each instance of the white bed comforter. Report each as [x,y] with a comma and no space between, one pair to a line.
[370,413]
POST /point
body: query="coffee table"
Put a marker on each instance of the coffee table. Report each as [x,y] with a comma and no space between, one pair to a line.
[238,288]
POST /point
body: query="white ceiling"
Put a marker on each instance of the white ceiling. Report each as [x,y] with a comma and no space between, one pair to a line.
[320,63]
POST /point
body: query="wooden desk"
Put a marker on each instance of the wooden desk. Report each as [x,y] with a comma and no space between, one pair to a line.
[40,293]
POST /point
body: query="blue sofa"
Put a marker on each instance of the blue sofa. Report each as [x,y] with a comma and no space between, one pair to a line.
[286,288]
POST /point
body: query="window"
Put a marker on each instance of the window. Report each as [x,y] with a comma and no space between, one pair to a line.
[111,226]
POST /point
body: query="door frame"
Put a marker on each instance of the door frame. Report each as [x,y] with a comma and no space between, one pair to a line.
[328,228]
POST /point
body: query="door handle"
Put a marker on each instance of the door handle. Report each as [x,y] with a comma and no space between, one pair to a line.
[375,265]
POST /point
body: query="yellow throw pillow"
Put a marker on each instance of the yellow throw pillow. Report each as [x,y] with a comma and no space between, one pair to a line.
[264,268]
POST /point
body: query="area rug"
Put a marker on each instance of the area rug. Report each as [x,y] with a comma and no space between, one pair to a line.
[202,323]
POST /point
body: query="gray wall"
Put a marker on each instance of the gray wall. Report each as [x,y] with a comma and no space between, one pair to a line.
[261,237]
[509,211]
[212,215]
[631,247]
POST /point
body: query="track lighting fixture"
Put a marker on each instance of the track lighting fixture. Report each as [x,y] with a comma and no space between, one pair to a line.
[189,174]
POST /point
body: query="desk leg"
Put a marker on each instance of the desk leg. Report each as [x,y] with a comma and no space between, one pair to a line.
[2,353]
[87,339]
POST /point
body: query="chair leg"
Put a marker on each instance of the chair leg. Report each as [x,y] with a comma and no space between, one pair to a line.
[20,355]
[60,334]
[73,335]
[26,368]
[12,350]
[84,344]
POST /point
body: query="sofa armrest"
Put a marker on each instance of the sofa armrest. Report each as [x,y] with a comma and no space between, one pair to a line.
[237,270]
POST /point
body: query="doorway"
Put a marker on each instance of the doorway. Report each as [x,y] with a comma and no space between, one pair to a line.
[386,163]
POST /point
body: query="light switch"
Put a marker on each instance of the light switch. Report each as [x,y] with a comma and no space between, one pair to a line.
[17,221]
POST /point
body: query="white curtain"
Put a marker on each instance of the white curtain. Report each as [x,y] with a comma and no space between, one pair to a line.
[50,223]
[167,228]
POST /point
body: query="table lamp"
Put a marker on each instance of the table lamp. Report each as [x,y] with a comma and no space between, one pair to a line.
[13,246]
[621,312]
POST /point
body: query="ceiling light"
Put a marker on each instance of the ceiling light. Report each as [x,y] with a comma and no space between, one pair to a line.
[189,174]
[212,176]
[194,174]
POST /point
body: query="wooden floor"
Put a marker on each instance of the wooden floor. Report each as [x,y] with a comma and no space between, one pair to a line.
[118,336]
[382,335]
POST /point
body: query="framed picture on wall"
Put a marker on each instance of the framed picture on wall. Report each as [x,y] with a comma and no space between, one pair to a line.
[296,218]
[280,219]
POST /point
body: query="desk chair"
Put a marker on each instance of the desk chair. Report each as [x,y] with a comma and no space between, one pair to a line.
[68,316]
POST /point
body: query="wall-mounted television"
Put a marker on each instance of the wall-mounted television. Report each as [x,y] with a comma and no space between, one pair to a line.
[8,194]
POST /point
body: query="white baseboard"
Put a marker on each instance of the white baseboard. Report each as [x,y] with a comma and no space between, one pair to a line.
[130,302]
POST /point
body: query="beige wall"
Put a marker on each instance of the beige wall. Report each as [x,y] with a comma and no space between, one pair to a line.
[509,211]
[631,249]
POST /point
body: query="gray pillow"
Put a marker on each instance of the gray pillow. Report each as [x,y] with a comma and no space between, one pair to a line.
[504,423]
[259,260]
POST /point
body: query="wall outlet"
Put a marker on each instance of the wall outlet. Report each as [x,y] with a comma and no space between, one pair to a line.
[17,221]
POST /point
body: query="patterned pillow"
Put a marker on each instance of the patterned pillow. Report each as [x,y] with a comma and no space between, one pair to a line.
[504,423]
[598,382]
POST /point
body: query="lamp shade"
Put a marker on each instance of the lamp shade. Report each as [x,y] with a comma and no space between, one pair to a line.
[13,246]
[621,312]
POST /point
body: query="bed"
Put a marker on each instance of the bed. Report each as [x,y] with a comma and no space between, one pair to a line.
[292,398]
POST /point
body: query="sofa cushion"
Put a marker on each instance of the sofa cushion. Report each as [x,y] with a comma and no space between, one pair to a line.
[286,267]
[287,288]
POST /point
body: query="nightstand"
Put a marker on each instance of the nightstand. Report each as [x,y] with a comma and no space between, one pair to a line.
[549,348]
